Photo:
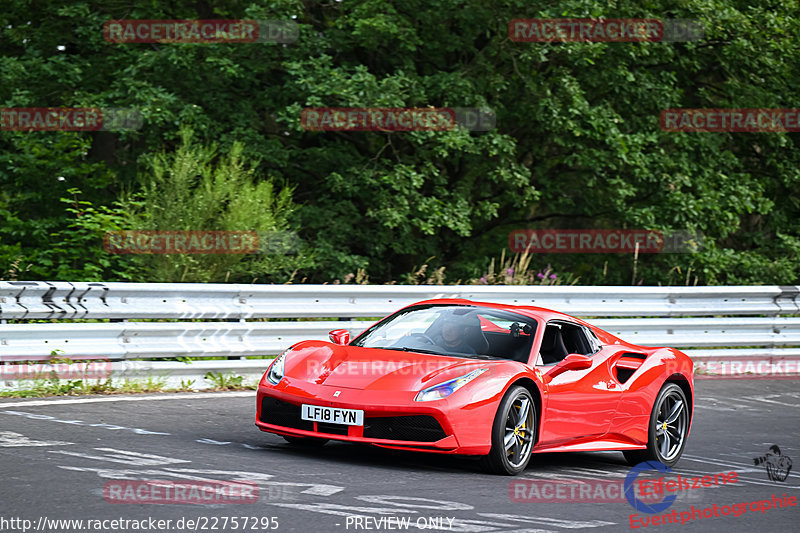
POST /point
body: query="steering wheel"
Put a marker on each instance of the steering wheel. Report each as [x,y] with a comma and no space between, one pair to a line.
[424,337]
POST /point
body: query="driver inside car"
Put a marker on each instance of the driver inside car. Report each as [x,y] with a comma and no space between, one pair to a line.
[452,337]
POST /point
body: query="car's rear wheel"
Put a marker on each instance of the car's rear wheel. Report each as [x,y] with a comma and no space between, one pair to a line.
[305,441]
[669,425]
[513,433]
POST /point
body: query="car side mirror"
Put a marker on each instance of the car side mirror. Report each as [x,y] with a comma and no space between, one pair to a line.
[573,361]
[339,336]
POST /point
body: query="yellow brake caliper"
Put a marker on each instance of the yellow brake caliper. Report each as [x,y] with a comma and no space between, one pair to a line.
[519,432]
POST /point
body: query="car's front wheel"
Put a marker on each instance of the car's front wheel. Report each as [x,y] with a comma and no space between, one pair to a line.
[669,425]
[513,433]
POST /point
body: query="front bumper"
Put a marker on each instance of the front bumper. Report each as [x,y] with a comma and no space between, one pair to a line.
[392,419]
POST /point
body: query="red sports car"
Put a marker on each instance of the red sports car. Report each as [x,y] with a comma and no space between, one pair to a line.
[498,381]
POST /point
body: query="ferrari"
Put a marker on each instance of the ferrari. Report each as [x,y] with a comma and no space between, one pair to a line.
[501,382]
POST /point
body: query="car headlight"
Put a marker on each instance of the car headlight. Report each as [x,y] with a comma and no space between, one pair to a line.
[443,390]
[275,372]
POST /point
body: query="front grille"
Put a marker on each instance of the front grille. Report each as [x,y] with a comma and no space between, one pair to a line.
[334,429]
[279,413]
[419,428]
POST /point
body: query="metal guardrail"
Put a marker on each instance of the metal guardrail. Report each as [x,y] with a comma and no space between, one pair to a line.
[154,340]
[64,300]
[706,322]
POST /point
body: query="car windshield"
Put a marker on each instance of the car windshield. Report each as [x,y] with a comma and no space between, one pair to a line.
[463,331]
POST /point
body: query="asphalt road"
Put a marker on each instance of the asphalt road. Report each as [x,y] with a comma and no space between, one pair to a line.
[58,455]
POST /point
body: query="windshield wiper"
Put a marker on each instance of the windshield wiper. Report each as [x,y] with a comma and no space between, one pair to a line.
[407,349]
[431,352]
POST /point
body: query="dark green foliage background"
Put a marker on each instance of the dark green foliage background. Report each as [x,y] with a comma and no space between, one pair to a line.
[577,143]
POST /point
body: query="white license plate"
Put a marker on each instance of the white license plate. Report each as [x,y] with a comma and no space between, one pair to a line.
[332,415]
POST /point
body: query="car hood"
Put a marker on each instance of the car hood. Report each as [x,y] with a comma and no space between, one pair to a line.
[354,367]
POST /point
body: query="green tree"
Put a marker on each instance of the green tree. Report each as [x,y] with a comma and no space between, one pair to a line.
[196,189]
[577,142]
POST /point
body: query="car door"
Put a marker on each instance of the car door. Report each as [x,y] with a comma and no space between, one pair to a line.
[580,403]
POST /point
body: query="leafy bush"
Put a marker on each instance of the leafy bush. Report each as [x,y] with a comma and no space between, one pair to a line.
[195,188]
